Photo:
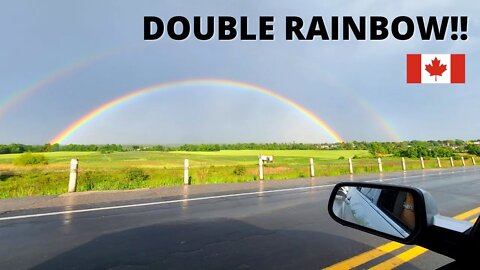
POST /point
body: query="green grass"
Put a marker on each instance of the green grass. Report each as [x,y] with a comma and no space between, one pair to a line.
[110,171]
[197,159]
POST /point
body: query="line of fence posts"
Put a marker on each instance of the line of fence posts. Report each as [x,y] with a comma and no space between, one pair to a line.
[404,167]
[72,183]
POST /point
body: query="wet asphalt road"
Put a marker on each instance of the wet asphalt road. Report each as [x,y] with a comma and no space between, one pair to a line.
[280,230]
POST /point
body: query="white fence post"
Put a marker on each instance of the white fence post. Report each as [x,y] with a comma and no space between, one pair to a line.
[463,162]
[312,168]
[72,183]
[380,167]
[473,161]
[439,163]
[260,168]
[186,179]
[350,165]
[422,162]
[404,168]
[451,162]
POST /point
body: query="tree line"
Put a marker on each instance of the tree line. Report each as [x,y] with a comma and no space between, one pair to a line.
[411,149]
[16,148]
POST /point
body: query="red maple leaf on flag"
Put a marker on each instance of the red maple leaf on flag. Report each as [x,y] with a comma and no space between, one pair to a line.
[435,69]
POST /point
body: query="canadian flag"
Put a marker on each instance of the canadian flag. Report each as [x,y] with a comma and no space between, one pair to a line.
[435,68]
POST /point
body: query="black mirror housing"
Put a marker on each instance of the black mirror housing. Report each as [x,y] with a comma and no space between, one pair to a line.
[341,190]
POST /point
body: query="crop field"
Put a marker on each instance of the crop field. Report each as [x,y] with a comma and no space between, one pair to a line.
[141,169]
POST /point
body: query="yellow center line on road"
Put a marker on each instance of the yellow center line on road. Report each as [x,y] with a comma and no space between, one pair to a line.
[414,252]
[468,214]
[401,258]
[366,256]
[389,247]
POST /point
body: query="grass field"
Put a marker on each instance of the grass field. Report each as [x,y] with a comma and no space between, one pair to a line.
[129,170]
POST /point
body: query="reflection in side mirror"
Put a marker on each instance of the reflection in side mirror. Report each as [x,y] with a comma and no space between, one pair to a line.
[388,210]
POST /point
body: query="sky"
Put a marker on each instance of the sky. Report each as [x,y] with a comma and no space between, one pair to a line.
[59,60]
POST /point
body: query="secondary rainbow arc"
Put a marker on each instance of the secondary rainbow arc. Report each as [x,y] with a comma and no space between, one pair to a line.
[9,102]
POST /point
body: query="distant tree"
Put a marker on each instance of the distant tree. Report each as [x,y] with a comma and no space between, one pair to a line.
[376,149]
[109,148]
[4,149]
[158,148]
[473,149]
[16,148]
[459,142]
[348,146]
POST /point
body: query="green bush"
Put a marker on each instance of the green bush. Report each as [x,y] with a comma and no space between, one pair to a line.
[88,180]
[30,159]
[5,175]
[341,157]
[136,174]
[239,170]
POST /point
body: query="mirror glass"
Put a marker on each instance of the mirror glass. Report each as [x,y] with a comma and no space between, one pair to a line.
[386,210]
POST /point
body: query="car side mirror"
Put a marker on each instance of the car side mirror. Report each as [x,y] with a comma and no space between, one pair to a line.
[393,212]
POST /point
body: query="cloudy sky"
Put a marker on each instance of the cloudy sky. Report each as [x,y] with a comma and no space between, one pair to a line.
[59,60]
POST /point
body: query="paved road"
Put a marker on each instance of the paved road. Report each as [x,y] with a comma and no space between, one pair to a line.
[257,229]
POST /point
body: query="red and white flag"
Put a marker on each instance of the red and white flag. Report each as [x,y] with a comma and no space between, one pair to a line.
[435,68]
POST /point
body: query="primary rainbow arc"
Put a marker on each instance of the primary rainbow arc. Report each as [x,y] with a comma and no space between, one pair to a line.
[67,132]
